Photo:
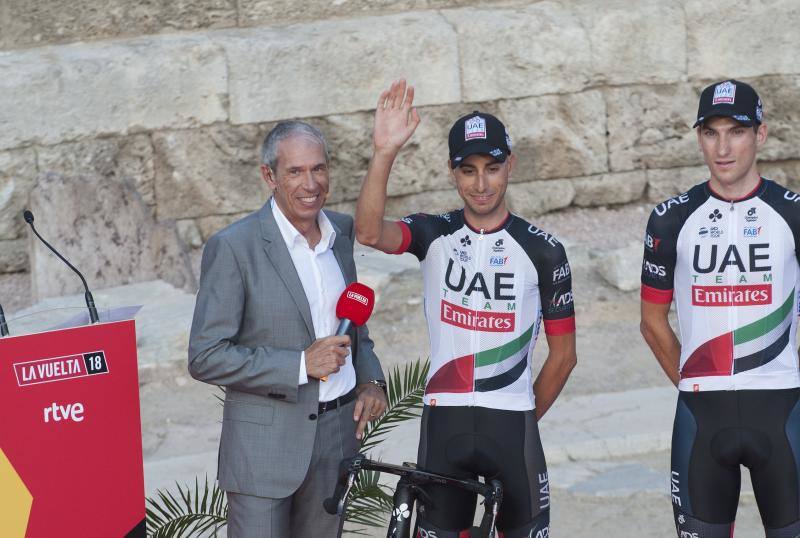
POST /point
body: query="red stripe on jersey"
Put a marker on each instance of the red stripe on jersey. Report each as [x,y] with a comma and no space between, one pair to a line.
[655,295]
[557,327]
[406,231]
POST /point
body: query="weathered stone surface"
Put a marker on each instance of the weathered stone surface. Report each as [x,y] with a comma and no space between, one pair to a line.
[339,66]
[40,22]
[105,228]
[189,233]
[208,226]
[271,12]
[59,93]
[116,159]
[634,42]
[781,114]
[557,136]
[666,183]
[756,38]
[508,53]
[651,127]
[17,174]
[433,202]
[13,256]
[787,173]
[614,188]
[536,197]
[622,267]
[208,171]
[511,53]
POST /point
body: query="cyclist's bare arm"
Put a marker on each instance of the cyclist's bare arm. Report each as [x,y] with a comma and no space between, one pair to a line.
[561,359]
[395,122]
[661,338]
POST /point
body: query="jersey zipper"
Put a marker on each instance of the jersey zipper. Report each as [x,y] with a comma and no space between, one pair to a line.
[475,334]
[730,277]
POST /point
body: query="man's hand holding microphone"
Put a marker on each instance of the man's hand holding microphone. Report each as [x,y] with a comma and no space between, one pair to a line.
[327,355]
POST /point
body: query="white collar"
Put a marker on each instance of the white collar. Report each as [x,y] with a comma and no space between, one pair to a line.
[291,236]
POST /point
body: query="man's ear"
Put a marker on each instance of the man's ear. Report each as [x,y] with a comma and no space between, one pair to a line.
[268,176]
[451,174]
[761,134]
[512,163]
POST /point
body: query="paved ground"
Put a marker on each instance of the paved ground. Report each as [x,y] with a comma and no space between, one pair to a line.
[606,439]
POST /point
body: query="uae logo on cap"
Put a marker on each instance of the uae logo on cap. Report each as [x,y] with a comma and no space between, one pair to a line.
[474,128]
[724,93]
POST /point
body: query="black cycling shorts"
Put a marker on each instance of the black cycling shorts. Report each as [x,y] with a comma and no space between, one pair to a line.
[471,442]
[715,433]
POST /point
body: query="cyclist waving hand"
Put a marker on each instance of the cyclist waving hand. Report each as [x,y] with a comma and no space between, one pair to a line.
[490,279]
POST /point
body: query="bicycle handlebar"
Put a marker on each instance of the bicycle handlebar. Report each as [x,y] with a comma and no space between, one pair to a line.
[349,468]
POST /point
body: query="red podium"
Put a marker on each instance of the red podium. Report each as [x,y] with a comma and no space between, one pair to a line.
[70,434]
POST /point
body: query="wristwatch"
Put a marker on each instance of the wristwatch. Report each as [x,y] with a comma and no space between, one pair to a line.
[380,383]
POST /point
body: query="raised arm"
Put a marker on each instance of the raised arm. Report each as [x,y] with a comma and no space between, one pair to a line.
[395,122]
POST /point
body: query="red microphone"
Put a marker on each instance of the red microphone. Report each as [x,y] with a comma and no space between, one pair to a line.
[354,307]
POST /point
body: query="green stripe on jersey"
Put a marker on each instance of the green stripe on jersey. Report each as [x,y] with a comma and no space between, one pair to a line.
[498,354]
[762,326]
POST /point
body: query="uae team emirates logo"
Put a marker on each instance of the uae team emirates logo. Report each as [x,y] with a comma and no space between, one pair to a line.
[744,295]
[486,321]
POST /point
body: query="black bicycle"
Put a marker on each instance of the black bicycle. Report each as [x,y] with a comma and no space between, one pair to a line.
[410,489]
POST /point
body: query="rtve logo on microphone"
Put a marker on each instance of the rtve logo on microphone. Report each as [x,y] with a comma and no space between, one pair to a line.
[357,297]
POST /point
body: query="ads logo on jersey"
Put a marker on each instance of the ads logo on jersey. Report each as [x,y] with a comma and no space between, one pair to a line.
[742,295]
[751,231]
[484,321]
[498,260]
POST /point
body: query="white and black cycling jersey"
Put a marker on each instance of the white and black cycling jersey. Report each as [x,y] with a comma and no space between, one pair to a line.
[486,293]
[733,268]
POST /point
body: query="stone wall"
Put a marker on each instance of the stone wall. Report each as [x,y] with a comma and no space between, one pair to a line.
[174,97]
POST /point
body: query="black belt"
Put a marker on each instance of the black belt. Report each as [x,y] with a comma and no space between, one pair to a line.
[341,400]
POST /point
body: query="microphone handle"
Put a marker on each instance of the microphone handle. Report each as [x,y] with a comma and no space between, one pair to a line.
[88,295]
[3,325]
[344,326]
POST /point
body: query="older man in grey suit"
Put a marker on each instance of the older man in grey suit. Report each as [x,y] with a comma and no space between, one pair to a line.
[296,398]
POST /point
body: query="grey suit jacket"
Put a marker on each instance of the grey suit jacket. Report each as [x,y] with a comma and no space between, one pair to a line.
[251,323]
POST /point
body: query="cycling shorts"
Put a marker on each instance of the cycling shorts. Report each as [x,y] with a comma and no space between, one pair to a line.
[471,442]
[716,432]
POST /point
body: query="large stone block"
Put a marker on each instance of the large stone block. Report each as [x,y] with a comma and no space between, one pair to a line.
[338,66]
[208,171]
[746,39]
[40,22]
[605,189]
[555,47]
[634,42]
[651,127]
[107,231]
[536,197]
[17,177]
[666,183]
[60,93]
[557,136]
[271,12]
[13,256]
[116,159]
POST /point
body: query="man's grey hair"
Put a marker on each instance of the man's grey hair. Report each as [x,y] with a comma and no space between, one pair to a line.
[288,129]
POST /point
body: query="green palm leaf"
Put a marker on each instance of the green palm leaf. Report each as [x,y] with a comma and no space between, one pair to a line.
[189,513]
[405,391]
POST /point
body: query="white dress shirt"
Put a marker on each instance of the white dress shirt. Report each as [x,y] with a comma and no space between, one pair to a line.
[323,283]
